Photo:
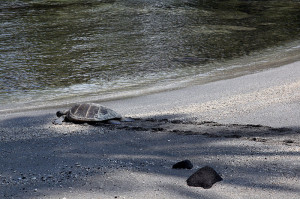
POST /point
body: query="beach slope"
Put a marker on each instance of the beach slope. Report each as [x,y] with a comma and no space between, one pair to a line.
[246,128]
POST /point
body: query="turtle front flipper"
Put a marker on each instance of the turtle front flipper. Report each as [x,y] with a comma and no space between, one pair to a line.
[59,120]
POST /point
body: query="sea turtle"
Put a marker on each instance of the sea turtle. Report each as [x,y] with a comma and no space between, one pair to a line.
[88,112]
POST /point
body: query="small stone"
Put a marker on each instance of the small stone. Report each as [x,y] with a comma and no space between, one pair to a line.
[204,177]
[185,164]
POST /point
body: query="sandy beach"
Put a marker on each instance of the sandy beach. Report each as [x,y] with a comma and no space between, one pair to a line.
[246,128]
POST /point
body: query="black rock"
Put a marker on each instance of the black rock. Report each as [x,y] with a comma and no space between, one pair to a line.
[204,177]
[185,164]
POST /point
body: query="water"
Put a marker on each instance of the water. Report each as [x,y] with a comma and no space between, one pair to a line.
[53,52]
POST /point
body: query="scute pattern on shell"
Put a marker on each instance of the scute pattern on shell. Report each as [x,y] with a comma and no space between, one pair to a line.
[89,112]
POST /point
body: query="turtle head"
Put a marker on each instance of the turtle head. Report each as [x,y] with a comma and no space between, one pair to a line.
[61,113]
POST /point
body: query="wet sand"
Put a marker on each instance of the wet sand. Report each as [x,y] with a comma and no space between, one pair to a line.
[246,128]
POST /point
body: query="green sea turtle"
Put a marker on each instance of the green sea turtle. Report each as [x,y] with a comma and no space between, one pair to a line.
[90,113]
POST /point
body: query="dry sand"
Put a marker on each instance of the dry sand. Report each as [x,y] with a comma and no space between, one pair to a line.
[246,128]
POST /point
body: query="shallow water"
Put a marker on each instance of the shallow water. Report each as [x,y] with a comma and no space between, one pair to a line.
[54,51]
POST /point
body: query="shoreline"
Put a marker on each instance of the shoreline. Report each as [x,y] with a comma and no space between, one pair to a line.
[246,128]
[254,64]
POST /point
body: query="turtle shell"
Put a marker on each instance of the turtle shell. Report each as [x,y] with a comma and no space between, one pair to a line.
[90,112]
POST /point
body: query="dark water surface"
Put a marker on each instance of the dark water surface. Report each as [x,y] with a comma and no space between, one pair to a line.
[52,51]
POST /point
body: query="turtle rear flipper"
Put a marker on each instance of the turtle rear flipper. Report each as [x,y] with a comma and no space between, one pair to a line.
[127,119]
[113,122]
